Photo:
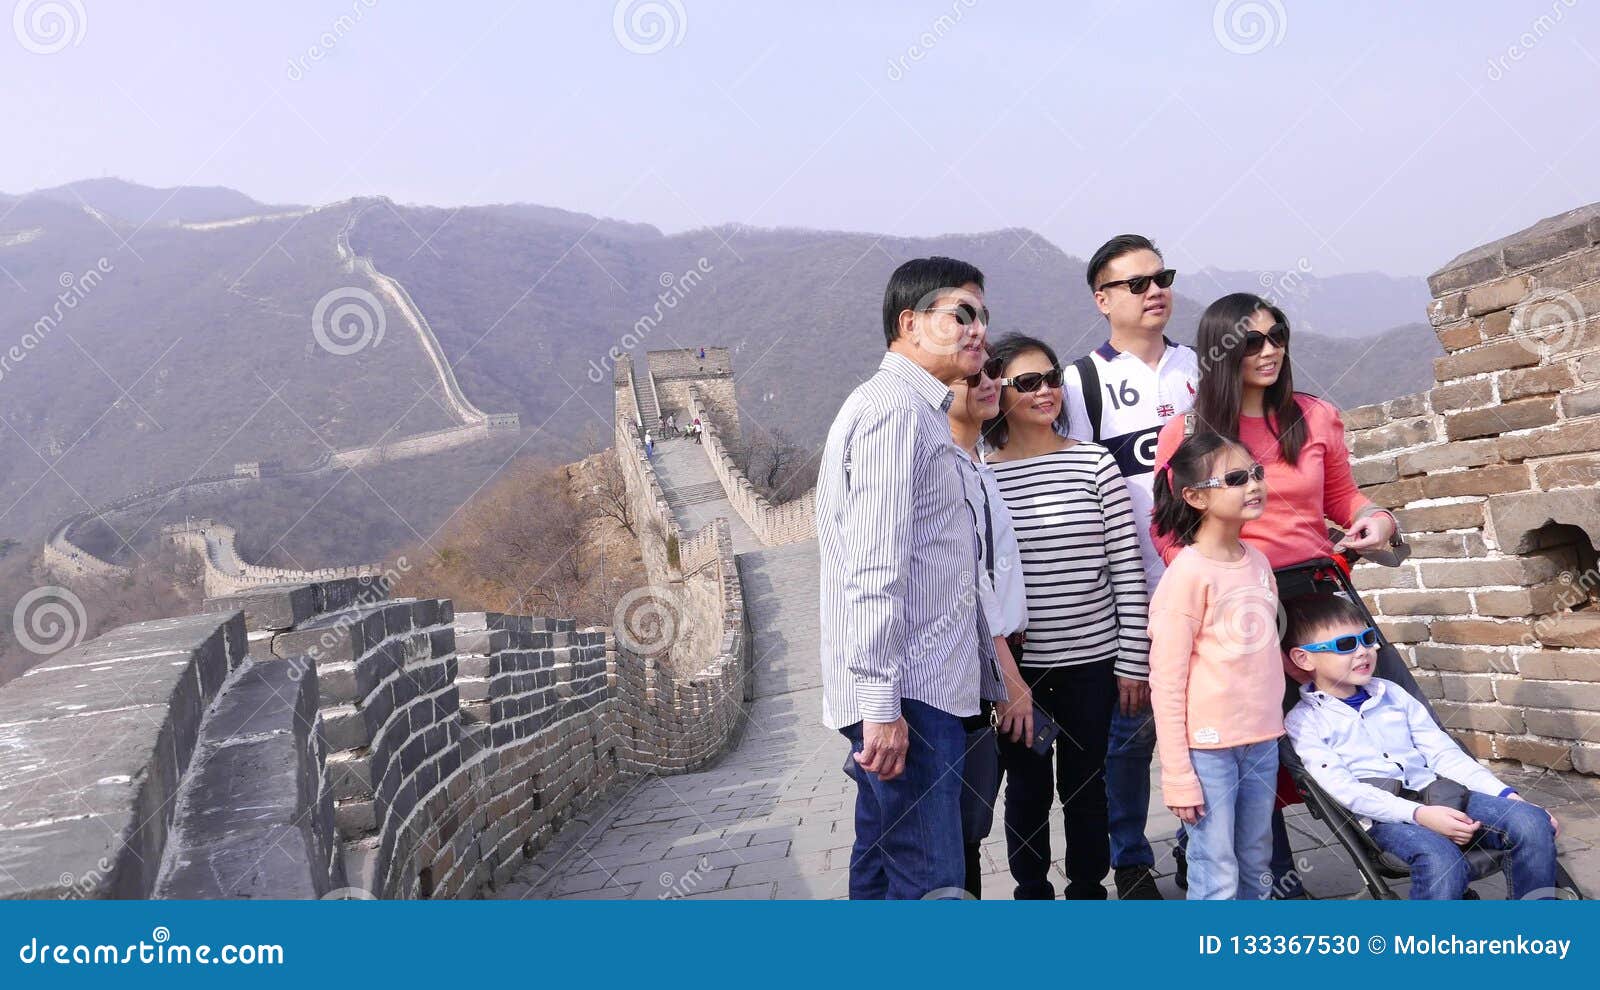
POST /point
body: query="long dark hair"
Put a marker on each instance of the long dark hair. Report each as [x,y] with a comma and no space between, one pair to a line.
[1005,350]
[1220,342]
[1189,465]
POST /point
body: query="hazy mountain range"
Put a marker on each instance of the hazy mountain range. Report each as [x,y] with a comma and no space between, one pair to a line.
[175,343]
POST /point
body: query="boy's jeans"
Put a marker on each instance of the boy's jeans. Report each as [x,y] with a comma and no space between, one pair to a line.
[1128,753]
[908,830]
[1439,868]
[1230,848]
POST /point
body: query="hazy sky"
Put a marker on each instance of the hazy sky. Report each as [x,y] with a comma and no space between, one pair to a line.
[1243,134]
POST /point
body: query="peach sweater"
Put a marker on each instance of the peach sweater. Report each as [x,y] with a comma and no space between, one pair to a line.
[1216,669]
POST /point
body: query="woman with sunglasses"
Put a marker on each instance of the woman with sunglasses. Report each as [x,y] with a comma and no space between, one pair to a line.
[1084,576]
[1247,395]
[1005,607]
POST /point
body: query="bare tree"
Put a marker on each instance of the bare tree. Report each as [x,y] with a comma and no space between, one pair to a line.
[609,493]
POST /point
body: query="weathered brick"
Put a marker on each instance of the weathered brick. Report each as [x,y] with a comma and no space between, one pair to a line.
[1559,665]
[1530,250]
[1458,336]
[1467,687]
[1371,577]
[1468,393]
[1407,406]
[1536,753]
[1477,744]
[1568,472]
[1586,759]
[1483,718]
[1450,545]
[1436,518]
[1584,402]
[1505,417]
[1483,573]
[1447,309]
[1469,272]
[1501,294]
[1569,272]
[1580,630]
[1544,380]
[1478,481]
[1406,433]
[1541,599]
[1425,603]
[1549,694]
[1463,453]
[1574,725]
[1483,632]
[1498,356]
[1403,630]
[1564,438]
[1364,417]
[1374,472]
[1396,493]
[1496,324]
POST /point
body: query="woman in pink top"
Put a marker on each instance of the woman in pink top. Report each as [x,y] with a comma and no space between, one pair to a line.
[1247,394]
[1216,670]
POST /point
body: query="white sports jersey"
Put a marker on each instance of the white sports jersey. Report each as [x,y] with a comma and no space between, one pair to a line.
[1135,402]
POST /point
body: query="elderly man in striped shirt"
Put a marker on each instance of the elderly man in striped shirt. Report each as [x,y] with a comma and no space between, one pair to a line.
[904,644]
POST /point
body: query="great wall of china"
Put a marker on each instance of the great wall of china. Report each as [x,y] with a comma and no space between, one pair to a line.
[395,748]
[224,571]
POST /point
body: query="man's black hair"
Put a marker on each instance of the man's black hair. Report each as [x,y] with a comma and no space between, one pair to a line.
[1112,250]
[916,283]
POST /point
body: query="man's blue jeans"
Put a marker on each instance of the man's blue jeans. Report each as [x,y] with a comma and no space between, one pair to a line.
[1439,870]
[908,830]
[1128,753]
[1230,847]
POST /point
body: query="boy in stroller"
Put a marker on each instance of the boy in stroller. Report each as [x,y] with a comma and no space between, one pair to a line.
[1377,752]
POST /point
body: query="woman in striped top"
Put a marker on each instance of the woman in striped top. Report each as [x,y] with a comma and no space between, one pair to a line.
[1084,576]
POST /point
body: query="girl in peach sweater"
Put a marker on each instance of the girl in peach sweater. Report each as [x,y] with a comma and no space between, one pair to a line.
[1216,670]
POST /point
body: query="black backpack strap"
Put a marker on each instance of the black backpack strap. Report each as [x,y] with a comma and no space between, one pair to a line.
[1089,377]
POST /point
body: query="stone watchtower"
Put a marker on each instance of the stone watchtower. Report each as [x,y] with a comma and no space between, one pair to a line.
[663,382]
[1493,475]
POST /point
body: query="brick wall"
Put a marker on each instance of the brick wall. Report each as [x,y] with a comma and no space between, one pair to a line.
[1492,474]
[775,525]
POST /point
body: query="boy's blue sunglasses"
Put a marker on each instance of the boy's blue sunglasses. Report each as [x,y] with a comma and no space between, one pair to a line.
[1344,644]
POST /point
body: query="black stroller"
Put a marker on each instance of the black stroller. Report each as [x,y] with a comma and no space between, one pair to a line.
[1377,867]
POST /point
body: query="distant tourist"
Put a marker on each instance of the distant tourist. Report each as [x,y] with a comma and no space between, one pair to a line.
[672,424]
[649,446]
[904,641]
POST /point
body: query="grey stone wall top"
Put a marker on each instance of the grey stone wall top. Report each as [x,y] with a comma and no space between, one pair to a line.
[1549,238]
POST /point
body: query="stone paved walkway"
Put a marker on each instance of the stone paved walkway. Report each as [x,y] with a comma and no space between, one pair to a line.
[773,819]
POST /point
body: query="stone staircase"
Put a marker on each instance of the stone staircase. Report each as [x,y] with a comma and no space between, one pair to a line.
[645,397]
[695,494]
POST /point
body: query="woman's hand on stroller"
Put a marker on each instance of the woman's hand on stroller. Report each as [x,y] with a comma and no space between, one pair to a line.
[1457,826]
[1370,532]
[1189,814]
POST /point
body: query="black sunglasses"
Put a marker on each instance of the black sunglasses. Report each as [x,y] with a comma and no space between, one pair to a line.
[1139,284]
[965,313]
[991,370]
[1237,478]
[1031,381]
[1254,341]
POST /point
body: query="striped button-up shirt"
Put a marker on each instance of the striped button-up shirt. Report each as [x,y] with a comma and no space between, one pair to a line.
[898,548]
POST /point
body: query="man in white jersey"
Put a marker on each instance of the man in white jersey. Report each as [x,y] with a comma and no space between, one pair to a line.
[1120,395]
